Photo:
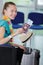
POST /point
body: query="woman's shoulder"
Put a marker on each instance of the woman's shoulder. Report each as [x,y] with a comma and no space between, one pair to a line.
[2,22]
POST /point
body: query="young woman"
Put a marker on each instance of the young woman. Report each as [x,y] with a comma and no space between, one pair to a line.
[6,30]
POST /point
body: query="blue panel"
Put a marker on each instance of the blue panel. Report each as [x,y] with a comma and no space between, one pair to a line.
[37,27]
[17,26]
[37,18]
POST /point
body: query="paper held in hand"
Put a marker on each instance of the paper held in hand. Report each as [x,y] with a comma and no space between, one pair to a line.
[26,36]
[21,38]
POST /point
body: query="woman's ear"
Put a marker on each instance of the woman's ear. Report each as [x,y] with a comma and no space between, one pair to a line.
[4,11]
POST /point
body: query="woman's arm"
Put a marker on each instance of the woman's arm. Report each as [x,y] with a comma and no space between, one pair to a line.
[4,40]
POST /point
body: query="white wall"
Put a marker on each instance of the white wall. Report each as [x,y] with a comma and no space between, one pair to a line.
[26,8]
[1,5]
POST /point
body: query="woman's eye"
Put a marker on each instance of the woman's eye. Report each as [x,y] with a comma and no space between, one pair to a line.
[15,11]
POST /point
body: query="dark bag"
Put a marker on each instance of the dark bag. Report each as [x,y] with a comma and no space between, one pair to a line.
[8,56]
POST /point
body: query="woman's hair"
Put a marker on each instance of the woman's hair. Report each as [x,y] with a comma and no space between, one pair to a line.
[6,5]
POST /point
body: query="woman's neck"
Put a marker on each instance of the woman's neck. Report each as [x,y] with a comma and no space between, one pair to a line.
[6,18]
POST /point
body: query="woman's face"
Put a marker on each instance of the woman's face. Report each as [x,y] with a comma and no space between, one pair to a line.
[11,11]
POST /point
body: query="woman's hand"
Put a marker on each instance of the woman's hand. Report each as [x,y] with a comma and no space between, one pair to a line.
[22,47]
[20,30]
[26,27]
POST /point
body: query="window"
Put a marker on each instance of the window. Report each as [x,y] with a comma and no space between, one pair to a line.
[39,4]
